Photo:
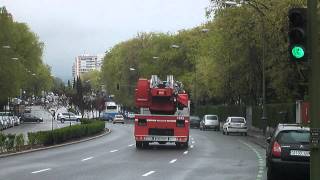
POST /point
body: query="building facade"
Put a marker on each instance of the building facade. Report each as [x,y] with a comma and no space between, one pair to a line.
[86,63]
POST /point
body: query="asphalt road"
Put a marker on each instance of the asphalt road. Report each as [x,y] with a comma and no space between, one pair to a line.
[210,156]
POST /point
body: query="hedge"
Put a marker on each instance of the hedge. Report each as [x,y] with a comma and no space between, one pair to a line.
[222,111]
[11,142]
[88,128]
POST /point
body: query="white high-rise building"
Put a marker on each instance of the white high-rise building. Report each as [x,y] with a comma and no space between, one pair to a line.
[85,63]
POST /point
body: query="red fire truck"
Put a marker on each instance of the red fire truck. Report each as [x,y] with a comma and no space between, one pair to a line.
[164,112]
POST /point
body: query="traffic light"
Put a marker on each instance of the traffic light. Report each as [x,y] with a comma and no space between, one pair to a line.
[298,34]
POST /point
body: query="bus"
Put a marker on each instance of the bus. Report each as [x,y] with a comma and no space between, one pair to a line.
[111,110]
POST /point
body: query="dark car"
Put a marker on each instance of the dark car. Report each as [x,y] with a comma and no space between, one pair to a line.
[30,118]
[195,122]
[288,151]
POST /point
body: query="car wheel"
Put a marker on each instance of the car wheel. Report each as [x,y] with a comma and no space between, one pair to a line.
[223,132]
[245,134]
[38,121]
[227,132]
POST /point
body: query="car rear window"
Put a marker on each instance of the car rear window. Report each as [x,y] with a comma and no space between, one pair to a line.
[65,114]
[118,116]
[212,117]
[237,120]
[291,137]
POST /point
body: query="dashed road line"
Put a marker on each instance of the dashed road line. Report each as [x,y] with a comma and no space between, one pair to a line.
[148,173]
[192,142]
[261,161]
[173,161]
[112,151]
[186,152]
[42,170]
[86,159]
[131,145]
[191,146]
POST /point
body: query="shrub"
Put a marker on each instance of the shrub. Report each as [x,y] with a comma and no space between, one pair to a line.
[87,128]
[19,141]
[9,142]
[2,142]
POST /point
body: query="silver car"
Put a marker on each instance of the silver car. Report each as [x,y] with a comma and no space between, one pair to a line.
[210,121]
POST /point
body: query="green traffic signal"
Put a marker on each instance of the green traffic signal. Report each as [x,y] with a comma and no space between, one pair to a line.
[297,52]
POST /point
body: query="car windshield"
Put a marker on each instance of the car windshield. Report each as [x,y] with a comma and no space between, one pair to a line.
[212,117]
[293,136]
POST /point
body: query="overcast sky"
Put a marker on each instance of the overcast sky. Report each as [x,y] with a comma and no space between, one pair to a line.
[73,27]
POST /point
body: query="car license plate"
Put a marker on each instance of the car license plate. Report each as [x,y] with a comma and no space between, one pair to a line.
[300,153]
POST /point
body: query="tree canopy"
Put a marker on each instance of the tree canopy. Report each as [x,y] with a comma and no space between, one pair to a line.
[219,62]
[21,65]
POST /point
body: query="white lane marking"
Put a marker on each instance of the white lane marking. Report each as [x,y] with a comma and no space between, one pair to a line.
[193,142]
[148,173]
[173,161]
[130,145]
[186,152]
[112,151]
[42,170]
[86,159]
[191,146]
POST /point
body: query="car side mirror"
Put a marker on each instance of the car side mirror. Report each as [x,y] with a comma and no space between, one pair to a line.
[268,140]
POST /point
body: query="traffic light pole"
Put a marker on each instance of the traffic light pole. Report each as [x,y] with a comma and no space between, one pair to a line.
[314,87]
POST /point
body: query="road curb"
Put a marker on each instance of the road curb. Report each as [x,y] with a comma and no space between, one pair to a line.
[108,131]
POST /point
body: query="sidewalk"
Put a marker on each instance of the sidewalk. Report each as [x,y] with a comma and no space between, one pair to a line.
[256,136]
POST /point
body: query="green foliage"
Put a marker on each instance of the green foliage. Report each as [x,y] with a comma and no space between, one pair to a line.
[67,133]
[22,59]
[9,142]
[221,66]
[277,113]
[2,142]
[222,111]
[19,142]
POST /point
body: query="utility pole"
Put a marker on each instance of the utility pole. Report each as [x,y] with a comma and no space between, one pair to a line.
[314,89]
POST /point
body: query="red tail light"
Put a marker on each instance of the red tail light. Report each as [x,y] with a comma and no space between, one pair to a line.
[276,149]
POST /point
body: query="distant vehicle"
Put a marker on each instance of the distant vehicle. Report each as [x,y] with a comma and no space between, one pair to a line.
[195,122]
[118,119]
[235,125]
[27,117]
[130,115]
[210,122]
[67,116]
[27,110]
[288,151]
[8,119]
[111,110]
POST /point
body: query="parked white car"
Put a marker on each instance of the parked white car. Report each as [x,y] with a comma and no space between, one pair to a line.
[235,125]
[210,121]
